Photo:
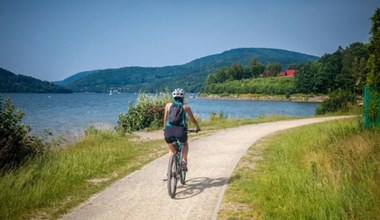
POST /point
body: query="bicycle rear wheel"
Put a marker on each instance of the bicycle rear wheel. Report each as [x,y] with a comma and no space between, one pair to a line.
[172,176]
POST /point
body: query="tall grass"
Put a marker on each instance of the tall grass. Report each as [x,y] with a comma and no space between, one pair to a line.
[321,171]
[62,178]
[147,112]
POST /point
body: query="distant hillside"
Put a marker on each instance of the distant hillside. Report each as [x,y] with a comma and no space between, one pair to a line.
[12,83]
[74,78]
[190,76]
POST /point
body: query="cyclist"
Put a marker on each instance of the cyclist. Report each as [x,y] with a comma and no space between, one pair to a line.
[180,130]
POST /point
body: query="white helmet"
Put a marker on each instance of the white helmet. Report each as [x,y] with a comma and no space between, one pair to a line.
[178,93]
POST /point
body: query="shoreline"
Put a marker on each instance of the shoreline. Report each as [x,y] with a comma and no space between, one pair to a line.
[256,97]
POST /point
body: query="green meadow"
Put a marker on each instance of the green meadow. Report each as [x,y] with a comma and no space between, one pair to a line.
[322,171]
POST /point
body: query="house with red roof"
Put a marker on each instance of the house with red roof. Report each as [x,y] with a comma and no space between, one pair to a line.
[287,73]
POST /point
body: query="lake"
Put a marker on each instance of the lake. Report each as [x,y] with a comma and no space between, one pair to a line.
[70,114]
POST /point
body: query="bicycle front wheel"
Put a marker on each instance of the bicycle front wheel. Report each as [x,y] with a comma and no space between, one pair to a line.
[172,176]
[182,176]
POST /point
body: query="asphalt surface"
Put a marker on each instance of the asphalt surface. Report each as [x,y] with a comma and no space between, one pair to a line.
[212,159]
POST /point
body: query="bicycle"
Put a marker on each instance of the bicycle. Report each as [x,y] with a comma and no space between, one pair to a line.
[175,170]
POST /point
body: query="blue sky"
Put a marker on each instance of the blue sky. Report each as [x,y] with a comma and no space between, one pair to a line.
[54,39]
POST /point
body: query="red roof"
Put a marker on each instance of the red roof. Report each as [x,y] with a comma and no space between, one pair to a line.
[290,72]
[287,73]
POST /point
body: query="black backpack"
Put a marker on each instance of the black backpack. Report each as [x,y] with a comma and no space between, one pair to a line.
[176,114]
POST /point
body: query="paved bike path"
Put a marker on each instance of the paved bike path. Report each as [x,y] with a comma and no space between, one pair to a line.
[212,159]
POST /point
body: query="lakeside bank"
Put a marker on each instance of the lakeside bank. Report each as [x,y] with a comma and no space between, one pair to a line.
[260,97]
[70,114]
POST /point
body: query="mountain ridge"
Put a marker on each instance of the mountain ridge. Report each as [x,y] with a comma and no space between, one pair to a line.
[17,83]
[189,76]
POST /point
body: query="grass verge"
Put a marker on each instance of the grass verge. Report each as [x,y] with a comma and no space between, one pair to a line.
[322,171]
[51,184]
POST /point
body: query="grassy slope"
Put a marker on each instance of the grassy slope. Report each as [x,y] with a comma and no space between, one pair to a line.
[322,171]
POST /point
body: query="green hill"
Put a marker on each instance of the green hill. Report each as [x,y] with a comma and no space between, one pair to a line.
[190,76]
[12,83]
[74,78]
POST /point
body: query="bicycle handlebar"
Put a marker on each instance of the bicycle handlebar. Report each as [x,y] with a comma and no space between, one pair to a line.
[193,131]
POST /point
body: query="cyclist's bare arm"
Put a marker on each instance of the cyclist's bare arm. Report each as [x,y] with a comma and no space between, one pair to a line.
[167,106]
[165,116]
[191,116]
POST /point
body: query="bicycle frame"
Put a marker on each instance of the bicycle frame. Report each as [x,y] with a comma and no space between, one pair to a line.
[178,146]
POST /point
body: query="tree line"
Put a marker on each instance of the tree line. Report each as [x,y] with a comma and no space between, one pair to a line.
[238,78]
[344,69]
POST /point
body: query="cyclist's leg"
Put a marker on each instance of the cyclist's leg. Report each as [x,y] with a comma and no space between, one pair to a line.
[169,134]
[185,151]
[182,137]
[171,148]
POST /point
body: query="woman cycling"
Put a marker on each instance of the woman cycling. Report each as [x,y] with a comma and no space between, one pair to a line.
[175,123]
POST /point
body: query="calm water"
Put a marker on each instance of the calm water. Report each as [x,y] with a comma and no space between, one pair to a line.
[72,113]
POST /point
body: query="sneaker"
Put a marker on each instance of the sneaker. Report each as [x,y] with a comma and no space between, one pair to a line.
[184,165]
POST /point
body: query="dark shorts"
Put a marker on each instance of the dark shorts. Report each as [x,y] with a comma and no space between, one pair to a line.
[173,132]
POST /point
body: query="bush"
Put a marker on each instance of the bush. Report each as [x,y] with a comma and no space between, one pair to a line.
[220,116]
[16,145]
[339,100]
[268,86]
[148,112]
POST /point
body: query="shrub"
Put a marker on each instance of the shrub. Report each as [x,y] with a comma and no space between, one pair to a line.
[269,86]
[339,100]
[217,116]
[148,112]
[16,145]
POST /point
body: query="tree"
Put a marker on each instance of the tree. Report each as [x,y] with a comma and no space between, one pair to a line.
[16,145]
[373,78]
[255,69]
[273,69]
[306,77]
[359,54]
[236,71]
[345,78]
[372,102]
[360,69]
[331,65]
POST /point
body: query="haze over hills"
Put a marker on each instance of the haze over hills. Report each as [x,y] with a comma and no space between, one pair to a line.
[190,76]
